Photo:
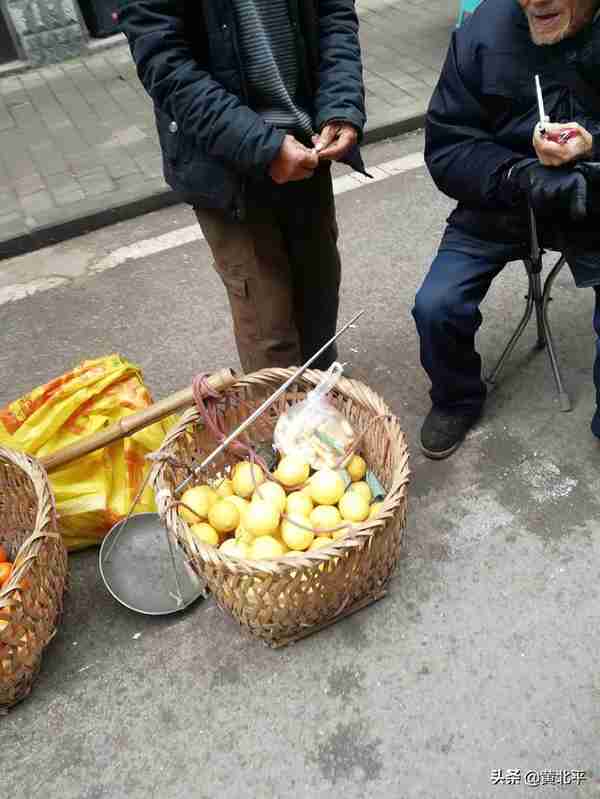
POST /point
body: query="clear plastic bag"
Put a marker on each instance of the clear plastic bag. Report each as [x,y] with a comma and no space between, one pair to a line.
[313,429]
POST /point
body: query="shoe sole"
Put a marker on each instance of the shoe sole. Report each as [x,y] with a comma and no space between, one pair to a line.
[444,453]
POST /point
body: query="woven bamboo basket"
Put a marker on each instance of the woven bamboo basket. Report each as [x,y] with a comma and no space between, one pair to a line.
[284,599]
[31,601]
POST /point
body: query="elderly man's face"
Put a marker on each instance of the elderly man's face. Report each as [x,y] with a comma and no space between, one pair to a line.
[550,21]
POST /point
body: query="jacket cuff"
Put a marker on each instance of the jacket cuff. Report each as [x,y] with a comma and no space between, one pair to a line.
[347,116]
[272,150]
[339,121]
[511,185]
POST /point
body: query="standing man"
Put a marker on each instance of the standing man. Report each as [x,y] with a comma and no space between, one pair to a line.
[253,100]
[483,148]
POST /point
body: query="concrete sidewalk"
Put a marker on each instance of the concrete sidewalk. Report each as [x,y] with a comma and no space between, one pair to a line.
[78,147]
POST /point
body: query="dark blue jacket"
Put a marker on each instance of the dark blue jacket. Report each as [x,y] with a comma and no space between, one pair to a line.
[483,112]
[188,58]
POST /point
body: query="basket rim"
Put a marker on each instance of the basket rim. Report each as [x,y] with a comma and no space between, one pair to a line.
[352,389]
[45,522]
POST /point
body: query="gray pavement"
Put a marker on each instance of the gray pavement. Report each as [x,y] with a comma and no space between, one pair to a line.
[482,657]
[78,146]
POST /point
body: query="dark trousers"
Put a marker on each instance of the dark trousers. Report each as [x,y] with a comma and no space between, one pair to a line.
[447,316]
[281,269]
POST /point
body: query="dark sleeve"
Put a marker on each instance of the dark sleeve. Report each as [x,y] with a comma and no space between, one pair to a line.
[464,159]
[340,94]
[594,128]
[223,127]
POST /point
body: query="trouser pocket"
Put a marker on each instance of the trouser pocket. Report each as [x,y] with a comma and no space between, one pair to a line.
[251,260]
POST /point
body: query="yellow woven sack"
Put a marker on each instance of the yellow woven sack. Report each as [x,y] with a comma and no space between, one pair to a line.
[95,491]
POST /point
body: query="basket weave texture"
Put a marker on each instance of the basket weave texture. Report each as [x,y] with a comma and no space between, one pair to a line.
[31,601]
[279,600]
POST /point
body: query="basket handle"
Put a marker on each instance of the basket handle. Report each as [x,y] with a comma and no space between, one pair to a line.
[131,424]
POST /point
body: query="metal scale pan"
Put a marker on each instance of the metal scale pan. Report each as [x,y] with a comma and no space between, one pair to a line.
[139,572]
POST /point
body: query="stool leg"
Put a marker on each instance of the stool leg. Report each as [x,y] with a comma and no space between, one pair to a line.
[538,302]
[493,376]
[563,397]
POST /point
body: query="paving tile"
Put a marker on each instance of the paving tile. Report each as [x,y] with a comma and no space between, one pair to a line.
[98,181]
[69,197]
[32,204]
[121,165]
[29,184]
[11,227]
[150,167]
[48,159]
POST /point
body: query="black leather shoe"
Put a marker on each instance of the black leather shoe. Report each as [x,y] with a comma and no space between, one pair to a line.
[443,433]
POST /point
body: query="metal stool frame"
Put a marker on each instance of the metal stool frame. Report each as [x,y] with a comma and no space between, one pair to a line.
[537,298]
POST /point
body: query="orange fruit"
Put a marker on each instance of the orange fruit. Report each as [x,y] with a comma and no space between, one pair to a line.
[3,554]
[5,572]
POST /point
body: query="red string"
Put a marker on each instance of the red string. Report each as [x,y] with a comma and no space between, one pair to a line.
[206,399]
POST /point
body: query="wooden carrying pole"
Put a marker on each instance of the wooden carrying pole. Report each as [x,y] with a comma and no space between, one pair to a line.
[134,422]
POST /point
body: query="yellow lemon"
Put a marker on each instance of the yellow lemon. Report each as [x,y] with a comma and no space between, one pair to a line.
[224,516]
[234,548]
[374,509]
[326,487]
[205,533]
[240,504]
[224,488]
[356,468]
[363,489]
[261,518]
[200,499]
[321,541]
[292,471]
[271,492]
[246,477]
[242,536]
[354,507]
[297,532]
[325,518]
[299,502]
[265,546]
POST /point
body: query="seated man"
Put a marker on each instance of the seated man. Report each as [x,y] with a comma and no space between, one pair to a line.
[483,148]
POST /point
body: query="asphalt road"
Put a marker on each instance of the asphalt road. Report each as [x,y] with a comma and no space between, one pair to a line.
[484,654]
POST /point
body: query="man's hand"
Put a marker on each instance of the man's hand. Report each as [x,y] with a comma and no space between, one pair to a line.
[556,153]
[294,161]
[335,141]
[553,191]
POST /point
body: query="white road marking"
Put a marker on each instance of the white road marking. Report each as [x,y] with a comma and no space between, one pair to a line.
[22,290]
[146,248]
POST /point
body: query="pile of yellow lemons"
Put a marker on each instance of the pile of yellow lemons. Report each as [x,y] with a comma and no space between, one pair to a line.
[249,516]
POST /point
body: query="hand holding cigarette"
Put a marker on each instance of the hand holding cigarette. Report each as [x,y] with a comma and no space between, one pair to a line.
[557,144]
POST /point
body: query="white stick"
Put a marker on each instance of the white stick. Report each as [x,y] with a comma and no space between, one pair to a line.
[540,101]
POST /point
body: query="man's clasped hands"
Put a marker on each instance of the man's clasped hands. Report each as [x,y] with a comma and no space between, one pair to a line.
[297,162]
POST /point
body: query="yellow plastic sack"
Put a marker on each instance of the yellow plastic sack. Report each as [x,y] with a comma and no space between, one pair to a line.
[95,491]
